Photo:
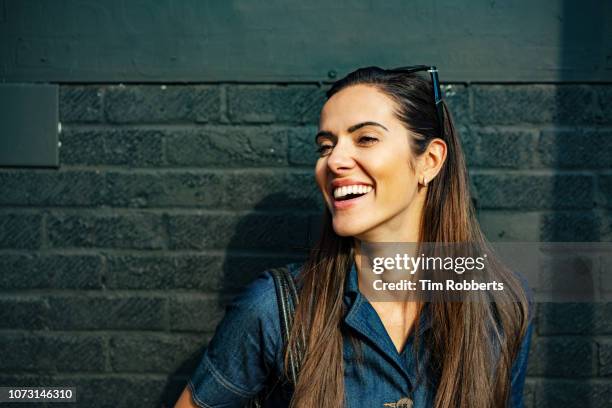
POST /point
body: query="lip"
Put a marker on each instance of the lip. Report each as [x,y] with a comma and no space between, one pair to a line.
[347,182]
[344,204]
[339,205]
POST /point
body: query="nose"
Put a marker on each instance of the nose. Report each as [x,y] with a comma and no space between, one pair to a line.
[341,158]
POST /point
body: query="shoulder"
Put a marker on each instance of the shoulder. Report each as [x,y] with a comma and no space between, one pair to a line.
[295,268]
[255,309]
[259,296]
[245,347]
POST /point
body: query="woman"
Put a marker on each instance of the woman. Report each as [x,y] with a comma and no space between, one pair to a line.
[388,132]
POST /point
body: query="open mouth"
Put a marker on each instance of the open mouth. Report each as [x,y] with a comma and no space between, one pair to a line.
[349,197]
[348,193]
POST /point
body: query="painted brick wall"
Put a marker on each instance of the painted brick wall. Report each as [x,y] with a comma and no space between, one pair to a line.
[116,267]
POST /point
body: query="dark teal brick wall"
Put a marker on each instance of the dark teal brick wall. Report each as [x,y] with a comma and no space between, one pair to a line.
[116,267]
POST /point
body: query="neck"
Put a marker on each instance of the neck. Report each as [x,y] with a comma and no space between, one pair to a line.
[365,253]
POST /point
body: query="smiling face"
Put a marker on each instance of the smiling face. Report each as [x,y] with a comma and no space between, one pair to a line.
[363,145]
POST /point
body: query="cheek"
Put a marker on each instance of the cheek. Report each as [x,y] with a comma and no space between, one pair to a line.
[394,178]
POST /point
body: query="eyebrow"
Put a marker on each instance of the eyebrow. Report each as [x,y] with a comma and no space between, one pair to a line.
[350,129]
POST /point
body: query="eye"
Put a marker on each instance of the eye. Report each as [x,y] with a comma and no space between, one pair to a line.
[367,140]
[322,149]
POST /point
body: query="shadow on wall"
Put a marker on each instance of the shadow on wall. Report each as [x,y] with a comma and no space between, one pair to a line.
[575,357]
[273,234]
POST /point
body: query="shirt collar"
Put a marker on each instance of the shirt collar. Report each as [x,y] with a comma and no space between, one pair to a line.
[352,283]
[351,292]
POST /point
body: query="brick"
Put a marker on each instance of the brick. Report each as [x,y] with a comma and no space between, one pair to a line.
[209,189]
[120,392]
[162,104]
[577,148]
[271,103]
[151,353]
[24,379]
[301,191]
[457,98]
[605,357]
[22,313]
[516,104]
[134,148]
[605,258]
[605,226]
[142,272]
[571,357]
[570,226]
[52,352]
[302,146]
[510,226]
[237,189]
[574,318]
[604,196]
[50,271]
[20,230]
[228,146]
[240,270]
[570,393]
[212,273]
[133,230]
[468,139]
[572,104]
[533,191]
[272,190]
[529,393]
[80,104]
[499,148]
[195,314]
[603,104]
[52,188]
[265,189]
[106,312]
[167,189]
[251,231]
[304,229]
[570,275]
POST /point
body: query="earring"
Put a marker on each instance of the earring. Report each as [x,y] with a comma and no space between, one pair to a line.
[423,180]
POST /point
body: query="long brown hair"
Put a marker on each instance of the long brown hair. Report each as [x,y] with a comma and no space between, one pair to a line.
[461,340]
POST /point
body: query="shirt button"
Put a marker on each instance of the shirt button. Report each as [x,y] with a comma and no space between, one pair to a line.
[404,403]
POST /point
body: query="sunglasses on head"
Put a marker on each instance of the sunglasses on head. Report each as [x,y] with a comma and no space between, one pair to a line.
[437,94]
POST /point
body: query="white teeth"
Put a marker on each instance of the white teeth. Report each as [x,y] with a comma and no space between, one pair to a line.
[354,189]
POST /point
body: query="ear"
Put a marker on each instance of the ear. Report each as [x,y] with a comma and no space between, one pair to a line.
[431,161]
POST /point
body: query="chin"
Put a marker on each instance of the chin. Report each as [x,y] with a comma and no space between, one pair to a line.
[347,228]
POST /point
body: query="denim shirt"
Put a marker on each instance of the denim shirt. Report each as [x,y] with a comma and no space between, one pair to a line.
[246,351]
